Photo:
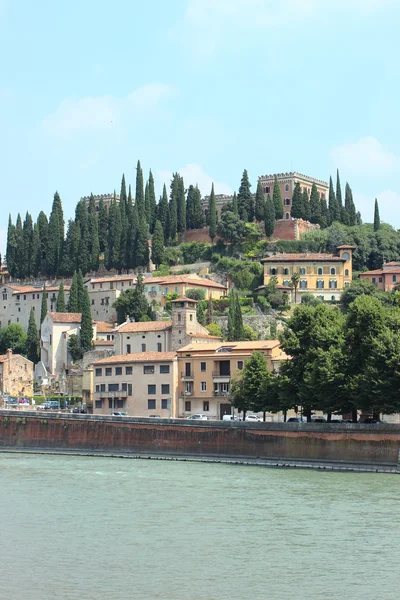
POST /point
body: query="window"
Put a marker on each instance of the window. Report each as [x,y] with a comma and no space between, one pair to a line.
[394,278]
[148,370]
[380,279]
[346,255]
[143,347]
[320,284]
[118,370]
[97,388]
[102,387]
[108,371]
[4,296]
[287,201]
[128,370]
[113,387]
[286,283]
[98,404]
[190,317]
[151,404]
[188,406]
[287,216]
[151,389]
[273,271]
[33,296]
[128,348]
[373,280]
[129,389]
[333,298]
[286,271]
[303,284]
[203,386]
[176,289]
[124,387]
[203,367]
[17,296]
[99,372]
[267,189]
[165,388]
[164,404]
[188,387]
[302,271]
[159,347]
[37,296]
[287,187]
[206,406]
[164,369]
[166,290]
[319,272]
[346,272]
[332,283]
[333,271]
[92,302]
[240,365]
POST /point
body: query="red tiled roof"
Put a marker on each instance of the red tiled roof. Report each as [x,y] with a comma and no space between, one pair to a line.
[104,327]
[114,278]
[170,279]
[303,258]
[137,357]
[59,317]
[103,343]
[28,289]
[376,272]
[184,299]
[145,326]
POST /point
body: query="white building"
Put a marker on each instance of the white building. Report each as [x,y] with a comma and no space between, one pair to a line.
[16,302]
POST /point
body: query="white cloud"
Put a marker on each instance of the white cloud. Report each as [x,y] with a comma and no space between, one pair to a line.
[104,112]
[195,175]
[366,156]
[389,206]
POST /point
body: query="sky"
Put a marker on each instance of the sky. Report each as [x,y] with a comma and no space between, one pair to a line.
[203,87]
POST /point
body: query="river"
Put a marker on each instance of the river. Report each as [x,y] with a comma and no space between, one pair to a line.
[82,528]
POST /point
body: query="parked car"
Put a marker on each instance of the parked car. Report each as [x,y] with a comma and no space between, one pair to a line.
[119,414]
[318,419]
[43,406]
[155,416]
[253,418]
[296,420]
[231,418]
[11,401]
[371,421]
[23,401]
[197,417]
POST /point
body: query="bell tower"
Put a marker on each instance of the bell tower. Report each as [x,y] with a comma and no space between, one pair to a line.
[184,321]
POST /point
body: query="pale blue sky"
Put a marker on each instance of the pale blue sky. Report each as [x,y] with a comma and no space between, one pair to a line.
[206,87]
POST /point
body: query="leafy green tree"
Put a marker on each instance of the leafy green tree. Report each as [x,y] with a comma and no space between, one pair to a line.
[245,199]
[359,287]
[60,304]
[201,313]
[269,222]
[73,301]
[247,391]
[377,220]
[74,347]
[210,311]
[277,199]
[214,329]
[212,215]
[196,294]
[294,283]
[86,331]
[132,303]
[32,339]
[230,228]
[158,244]
[297,211]
[43,308]
[259,210]
[13,337]
[315,205]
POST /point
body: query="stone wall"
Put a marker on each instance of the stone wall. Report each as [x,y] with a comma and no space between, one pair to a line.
[367,444]
[260,323]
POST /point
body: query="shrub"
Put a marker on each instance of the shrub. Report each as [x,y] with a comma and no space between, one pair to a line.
[196,294]
[214,329]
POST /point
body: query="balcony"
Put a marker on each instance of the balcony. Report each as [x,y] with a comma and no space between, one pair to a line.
[187,376]
[219,377]
[220,393]
[120,394]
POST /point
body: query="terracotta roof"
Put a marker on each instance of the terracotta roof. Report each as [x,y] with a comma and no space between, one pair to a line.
[29,289]
[189,279]
[303,258]
[4,357]
[59,317]
[103,343]
[376,272]
[184,299]
[214,346]
[104,327]
[137,357]
[345,247]
[145,326]
[114,278]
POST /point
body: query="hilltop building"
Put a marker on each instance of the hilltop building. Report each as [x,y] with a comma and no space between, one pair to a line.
[16,302]
[107,199]
[323,275]
[384,279]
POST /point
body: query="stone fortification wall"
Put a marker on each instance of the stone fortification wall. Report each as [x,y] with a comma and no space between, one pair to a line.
[378,444]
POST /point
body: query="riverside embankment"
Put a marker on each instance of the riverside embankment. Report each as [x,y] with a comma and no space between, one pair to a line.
[289,444]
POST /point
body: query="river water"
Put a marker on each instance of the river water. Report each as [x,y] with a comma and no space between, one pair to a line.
[113,529]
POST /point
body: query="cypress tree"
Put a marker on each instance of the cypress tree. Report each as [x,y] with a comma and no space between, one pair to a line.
[306,206]
[339,199]
[212,215]
[210,311]
[123,197]
[102,225]
[93,229]
[81,290]
[139,197]
[142,246]
[259,209]
[86,332]
[71,248]
[349,205]
[297,202]
[200,314]
[152,202]
[239,329]
[315,205]
[19,256]
[277,198]
[33,340]
[60,304]
[324,219]
[84,251]
[43,226]
[245,200]
[173,208]
[334,213]
[231,318]
[269,222]
[27,249]
[377,220]
[73,302]
[55,240]
[181,205]
[133,224]
[43,308]
[235,207]
[35,251]
[114,236]
[235,319]
[158,244]
[189,207]
[147,208]
[163,213]
[11,248]
[194,209]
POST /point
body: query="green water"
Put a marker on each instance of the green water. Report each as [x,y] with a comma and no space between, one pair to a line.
[114,529]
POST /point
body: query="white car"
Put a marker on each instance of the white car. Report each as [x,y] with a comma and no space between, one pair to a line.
[198,417]
[253,418]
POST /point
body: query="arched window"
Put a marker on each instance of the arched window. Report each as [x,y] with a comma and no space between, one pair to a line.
[273,271]
[320,284]
[302,271]
[346,255]
[286,283]
[333,284]
[287,201]
[267,189]
[287,187]
[286,271]
[333,298]
[303,284]
[346,272]
[287,216]
[319,271]
[333,271]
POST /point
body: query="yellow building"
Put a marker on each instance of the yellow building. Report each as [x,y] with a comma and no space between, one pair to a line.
[323,275]
[157,288]
[205,372]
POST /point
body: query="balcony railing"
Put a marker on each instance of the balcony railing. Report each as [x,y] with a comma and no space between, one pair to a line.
[220,393]
[219,374]
[187,376]
[105,394]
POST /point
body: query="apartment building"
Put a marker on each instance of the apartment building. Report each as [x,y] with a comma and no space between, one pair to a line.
[384,279]
[206,372]
[16,302]
[323,275]
[157,288]
[141,384]
[104,291]
[16,375]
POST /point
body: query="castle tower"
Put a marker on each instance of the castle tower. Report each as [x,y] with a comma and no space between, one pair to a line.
[184,321]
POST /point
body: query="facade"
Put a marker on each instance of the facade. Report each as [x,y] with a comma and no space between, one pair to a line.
[157,288]
[286,182]
[141,384]
[104,291]
[206,372]
[384,279]
[16,375]
[16,302]
[323,275]
[162,336]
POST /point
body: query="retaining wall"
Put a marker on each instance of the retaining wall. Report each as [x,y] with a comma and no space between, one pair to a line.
[372,444]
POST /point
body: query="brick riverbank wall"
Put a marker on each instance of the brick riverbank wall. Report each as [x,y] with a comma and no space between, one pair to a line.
[374,444]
